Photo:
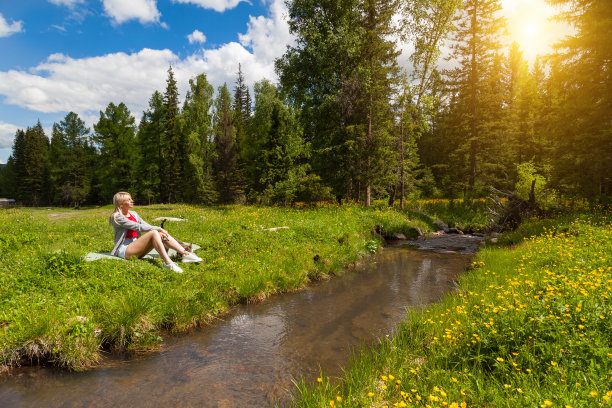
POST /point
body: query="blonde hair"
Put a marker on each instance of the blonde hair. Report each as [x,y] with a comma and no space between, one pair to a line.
[118,200]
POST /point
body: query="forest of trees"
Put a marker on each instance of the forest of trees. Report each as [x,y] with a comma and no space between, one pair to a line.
[346,122]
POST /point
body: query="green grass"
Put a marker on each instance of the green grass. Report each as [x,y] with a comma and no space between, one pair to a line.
[58,309]
[529,327]
[466,215]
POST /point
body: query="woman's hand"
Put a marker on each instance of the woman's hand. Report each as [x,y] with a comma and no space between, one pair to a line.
[163,233]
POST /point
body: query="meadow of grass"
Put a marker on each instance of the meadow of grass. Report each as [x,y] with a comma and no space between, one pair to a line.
[529,326]
[56,308]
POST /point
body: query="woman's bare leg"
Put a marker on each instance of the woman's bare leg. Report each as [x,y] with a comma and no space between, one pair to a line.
[145,243]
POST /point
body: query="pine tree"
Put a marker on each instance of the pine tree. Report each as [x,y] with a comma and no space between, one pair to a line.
[320,76]
[8,186]
[70,161]
[31,155]
[277,152]
[172,145]
[427,23]
[475,48]
[582,75]
[242,108]
[379,77]
[341,74]
[226,161]
[149,139]
[522,110]
[196,128]
[115,136]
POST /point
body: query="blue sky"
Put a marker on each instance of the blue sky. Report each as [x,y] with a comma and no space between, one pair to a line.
[79,55]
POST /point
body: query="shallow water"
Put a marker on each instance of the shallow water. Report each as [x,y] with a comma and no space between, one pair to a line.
[250,357]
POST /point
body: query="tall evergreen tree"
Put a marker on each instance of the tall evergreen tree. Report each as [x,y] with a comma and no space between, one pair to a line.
[172,145]
[277,153]
[476,46]
[320,76]
[8,186]
[115,136]
[522,111]
[226,161]
[427,24]
[242,108]
[149,139]
[196,127]
[71,161]
[581,72]
[379,78]
[31,155]
[341,74]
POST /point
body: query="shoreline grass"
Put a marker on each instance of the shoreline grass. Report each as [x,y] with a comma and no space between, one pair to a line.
[529,326]
[57,309]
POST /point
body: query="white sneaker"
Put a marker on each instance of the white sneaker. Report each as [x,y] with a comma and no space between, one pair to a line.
[172,266]
[191,257]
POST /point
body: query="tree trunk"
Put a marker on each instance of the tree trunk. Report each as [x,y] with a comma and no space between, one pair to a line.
[402,183]
[393,195]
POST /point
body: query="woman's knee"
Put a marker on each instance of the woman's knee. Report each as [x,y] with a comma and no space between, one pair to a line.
[154,234]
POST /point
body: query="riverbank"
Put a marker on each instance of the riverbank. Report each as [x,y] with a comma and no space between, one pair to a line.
[528,326]
[57,309]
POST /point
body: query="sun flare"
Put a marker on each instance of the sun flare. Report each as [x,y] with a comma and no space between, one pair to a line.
[530,29]
[529,24]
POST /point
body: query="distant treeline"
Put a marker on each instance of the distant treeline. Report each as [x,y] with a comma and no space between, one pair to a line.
[345,122]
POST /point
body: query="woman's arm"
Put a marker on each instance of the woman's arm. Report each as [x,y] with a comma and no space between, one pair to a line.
[144,226]
[126,223]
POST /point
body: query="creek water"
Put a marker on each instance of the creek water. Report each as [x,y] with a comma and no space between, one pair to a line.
[251,356]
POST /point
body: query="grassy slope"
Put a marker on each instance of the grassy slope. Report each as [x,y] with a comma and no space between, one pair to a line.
[55,307]
[530,327]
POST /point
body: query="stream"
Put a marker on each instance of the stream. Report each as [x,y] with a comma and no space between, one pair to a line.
[251,356]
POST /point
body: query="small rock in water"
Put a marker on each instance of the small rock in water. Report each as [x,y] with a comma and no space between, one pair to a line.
[454,231]
[398,236]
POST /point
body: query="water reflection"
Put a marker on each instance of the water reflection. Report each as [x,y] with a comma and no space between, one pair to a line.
[251,357]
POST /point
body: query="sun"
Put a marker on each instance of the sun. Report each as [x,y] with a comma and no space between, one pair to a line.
[530,30]
[529,24]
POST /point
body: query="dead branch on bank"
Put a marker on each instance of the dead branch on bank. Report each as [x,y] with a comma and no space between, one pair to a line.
[507,214]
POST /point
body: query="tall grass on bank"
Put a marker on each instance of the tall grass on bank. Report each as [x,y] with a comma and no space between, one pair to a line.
[467,215]
[529,327]
[57,308]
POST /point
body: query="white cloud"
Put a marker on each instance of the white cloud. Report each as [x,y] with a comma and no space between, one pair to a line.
[87,84]
[7,135]
[7,29]
[217,5]
[145,11]
[268,36]
[67,3]
[196,36]
[62,84]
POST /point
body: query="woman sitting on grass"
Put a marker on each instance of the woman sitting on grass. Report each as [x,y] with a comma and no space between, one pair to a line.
[128,240]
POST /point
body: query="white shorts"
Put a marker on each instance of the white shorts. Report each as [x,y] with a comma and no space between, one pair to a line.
[123,247]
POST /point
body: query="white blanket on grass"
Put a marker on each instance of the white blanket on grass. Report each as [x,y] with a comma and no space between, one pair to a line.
[94,256]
